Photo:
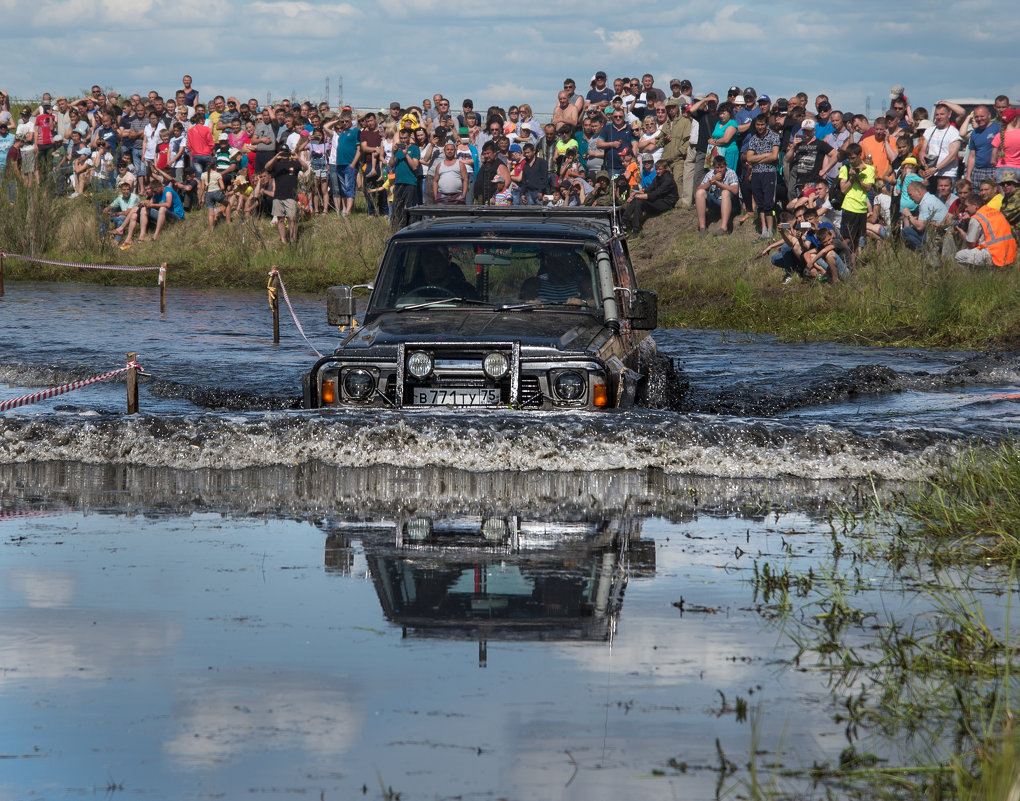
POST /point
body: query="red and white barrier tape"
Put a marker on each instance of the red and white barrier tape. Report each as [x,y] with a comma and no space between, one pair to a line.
[80,265]
[35,397]
[292,314]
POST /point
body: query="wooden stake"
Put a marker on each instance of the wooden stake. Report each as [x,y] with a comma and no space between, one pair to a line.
[132,386]
[162,291]
[1,275]
[276,310]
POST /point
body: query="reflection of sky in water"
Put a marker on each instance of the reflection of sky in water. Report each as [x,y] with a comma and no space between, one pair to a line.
[204,655]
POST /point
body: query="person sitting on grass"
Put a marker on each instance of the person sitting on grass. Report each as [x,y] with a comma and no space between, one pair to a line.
[163,206]
[795,239]
[719,190]
[921,225]
[123,213]
[186,188]
[825,262]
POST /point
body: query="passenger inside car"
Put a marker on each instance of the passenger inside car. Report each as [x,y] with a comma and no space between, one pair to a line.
[438,273]
[562,279]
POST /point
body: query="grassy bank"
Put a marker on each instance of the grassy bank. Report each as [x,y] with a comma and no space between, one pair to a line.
[703,282]
[923,674]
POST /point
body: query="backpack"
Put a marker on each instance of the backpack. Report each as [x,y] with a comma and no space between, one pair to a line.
[836,193]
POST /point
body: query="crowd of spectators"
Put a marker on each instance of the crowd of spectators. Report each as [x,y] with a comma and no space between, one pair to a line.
[818,183]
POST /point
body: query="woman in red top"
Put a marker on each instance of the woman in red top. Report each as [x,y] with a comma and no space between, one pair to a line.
[1006,144]
[200,144]
[45,124]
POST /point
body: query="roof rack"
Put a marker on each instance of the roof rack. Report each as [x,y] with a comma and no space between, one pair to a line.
[606,215]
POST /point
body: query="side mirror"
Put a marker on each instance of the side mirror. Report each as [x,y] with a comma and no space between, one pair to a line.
[339,305]
[644,310]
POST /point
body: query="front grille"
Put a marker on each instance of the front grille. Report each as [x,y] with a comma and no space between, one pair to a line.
[531,391]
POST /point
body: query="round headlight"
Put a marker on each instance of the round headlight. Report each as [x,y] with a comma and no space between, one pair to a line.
[570,386]
[358,384]
[495,365]
[419,364]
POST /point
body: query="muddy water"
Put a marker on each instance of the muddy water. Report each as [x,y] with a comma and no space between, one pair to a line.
[222,596]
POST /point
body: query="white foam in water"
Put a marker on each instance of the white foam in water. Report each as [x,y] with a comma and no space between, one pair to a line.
[680,444]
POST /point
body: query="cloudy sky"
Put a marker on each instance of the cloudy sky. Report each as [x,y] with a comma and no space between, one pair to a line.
[499,53]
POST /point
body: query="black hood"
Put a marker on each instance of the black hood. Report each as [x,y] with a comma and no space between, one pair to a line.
[555,330]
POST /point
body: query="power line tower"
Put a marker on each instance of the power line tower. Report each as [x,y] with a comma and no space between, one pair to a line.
[340,91]
[327,90]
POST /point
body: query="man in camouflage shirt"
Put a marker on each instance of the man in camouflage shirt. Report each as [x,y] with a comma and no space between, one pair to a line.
[1010,201]
[674,139]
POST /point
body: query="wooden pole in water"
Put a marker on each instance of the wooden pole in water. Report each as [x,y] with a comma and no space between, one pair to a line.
[132,386]
[276,308]
[1,275]
[162,289]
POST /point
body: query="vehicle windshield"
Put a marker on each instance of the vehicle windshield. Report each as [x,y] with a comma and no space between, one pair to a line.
[487,274]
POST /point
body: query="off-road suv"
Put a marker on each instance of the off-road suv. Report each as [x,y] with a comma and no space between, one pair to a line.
[486,306]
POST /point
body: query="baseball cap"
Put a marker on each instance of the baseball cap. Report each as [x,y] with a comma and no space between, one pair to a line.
[825,105]
[1009,115]
[764,99]
[750,91]
[515,148]
[896,91]
[1009,177]
[647,157]
[223,138]
[808,123]
[600,74]
[394,104]
[735,90]
[782,105]
[909,160]
[675,82]
[602,174]
[498,179]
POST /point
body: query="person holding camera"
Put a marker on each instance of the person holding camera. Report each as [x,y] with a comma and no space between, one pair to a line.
[856,179]
[404,163]
[285,170]
[660,196]
[941,148]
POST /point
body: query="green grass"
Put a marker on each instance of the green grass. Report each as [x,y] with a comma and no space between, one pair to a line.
[330,250]
[894,299]
[971,511]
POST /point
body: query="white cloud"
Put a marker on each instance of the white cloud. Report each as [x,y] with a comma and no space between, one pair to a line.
[621,43]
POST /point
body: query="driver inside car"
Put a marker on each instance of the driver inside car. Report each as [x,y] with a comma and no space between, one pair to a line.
[561,279]
[438,273]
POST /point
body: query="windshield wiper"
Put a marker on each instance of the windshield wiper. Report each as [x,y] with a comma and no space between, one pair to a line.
[437,301]
[526,306]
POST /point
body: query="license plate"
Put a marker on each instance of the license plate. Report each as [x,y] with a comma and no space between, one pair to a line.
[455,396]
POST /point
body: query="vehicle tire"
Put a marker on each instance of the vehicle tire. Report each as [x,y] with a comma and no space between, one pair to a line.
[308,399]
[665,387]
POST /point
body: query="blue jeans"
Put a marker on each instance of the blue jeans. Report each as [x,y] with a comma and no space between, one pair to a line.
[785,260]
[141,168]
[912,238]
[347,178]
[201,164]
[334,181]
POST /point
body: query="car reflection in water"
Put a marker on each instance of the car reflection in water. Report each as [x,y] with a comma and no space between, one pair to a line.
[498,578]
